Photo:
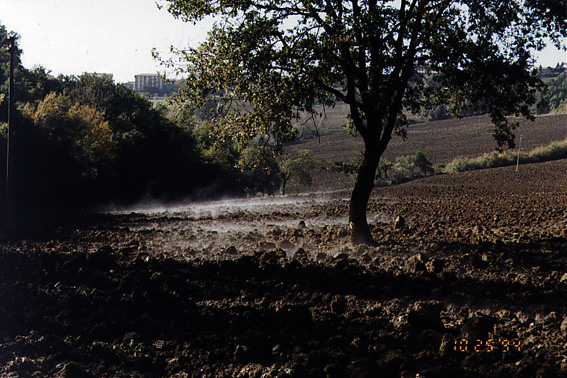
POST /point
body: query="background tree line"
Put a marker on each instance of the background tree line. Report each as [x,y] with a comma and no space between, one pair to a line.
[82,141]
[550,98]
[554,98]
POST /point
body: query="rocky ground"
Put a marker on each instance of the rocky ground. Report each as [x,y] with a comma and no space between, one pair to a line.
[471,281]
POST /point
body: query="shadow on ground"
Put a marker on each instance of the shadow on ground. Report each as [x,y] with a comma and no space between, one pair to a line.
[114,313]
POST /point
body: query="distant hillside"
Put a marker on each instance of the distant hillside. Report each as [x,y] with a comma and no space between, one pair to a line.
[440,141]
[554,99]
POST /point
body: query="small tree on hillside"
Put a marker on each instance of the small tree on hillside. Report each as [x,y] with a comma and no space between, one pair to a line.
[297,167]
[384,168]
[404,167]
[411,166]
[260,170]
[421,163]
[268,60]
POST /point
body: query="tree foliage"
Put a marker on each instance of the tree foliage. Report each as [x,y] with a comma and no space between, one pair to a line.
[63,149]
[261,170]
[384,168]
[83,140]
[266,60]
[297,167]
[554,96]
[411,166]
[79,130]
[155,157]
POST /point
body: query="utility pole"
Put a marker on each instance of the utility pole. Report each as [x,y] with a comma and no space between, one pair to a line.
[11,44]
[519,148]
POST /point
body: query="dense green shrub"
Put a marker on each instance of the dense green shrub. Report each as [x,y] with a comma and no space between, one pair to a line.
[405,168]
[553,151]
[411,166]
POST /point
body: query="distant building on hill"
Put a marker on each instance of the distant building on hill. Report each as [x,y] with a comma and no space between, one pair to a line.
[552,71]
[147,82]
[153,84]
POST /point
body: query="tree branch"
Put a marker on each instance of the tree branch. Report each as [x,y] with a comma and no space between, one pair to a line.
[340,95]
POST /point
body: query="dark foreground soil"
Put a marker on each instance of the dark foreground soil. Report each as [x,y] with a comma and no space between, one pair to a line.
[472,284]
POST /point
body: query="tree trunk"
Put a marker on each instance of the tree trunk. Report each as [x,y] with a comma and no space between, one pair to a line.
[284,181]
[359,230]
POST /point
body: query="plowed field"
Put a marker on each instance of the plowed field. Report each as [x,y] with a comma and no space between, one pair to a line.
[473,283]
[439,141]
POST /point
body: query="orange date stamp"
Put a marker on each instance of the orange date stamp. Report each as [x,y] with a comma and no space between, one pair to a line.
[488,345]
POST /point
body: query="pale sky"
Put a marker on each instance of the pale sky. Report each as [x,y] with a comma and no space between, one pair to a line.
[106,36]
[110,36]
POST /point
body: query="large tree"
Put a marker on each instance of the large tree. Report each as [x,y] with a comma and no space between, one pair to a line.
[265,61]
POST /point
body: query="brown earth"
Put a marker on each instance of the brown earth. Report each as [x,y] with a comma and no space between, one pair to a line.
[439,141]
[473,283]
